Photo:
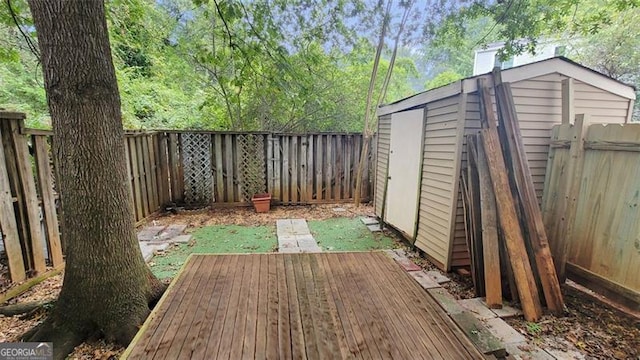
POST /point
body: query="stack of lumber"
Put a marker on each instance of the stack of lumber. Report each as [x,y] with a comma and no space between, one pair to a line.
[505,232]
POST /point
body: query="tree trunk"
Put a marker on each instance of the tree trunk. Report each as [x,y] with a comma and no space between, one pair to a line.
[107,286]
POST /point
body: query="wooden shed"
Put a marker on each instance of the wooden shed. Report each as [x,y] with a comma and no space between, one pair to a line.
[421,145]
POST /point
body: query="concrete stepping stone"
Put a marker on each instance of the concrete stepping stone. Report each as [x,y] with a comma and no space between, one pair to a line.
[425,281]
[172,231]
[369,220]
[504,332]
[408,265]
[526,351]
[507,312]
[437,277]
[478,308]
[150,233]
[294,236]
[374,228]
[479,335]
[392,254]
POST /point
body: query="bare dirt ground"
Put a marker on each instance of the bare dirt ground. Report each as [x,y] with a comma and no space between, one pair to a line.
[594,329]
[593,326]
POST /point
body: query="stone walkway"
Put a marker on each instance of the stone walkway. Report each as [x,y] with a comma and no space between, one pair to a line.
[153,239]
[485,327]
[294,237]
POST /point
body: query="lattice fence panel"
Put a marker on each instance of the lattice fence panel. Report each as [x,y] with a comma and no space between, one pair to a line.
[252,165]
[196,161]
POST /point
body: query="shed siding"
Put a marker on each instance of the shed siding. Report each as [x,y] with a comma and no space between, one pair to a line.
[438,174]
[382,160]
[539,105]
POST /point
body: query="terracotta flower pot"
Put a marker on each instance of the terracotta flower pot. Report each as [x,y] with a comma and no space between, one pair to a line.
[261,202]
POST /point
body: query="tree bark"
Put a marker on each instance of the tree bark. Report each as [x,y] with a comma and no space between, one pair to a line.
[107,286]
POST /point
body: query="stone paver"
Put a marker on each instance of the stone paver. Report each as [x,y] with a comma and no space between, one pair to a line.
[172,231]
[158,238]
[507,312]
[525,351]
[374,228]
[424,281]
[369,220]
[392,254]
[478,308]
[437,277]
[294,237]
[408,265]
[503,331]
[149,233]
[446,301]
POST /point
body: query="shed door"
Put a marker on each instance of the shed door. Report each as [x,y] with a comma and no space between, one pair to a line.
[404,167]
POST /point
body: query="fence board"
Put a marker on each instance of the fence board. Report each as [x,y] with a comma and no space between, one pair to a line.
[339,166]
[277,167]
[153,173]
[319,166]
[217,160]
[310,149]
[163,169]
[147,173]
[285,169]
[295,170]
[589,206]
[11,237]
[28,187]
[304,147]
[329,169]
[143,179]
[133,155]
[228,162]
[48,200]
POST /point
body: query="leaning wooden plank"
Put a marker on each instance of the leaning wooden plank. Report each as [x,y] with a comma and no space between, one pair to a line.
[510,226]
[48,200]
[8,224]
[490,245]
[473,186]
[28,186]
[529,202]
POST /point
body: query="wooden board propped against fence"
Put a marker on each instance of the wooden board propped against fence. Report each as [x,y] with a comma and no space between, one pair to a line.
[521,176]
[490,242]
[507,214]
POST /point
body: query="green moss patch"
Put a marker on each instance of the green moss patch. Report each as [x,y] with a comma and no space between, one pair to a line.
[348,234]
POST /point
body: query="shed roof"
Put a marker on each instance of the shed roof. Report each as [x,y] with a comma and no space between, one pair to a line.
[558,65]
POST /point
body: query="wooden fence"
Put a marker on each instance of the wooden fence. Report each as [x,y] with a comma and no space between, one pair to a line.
[298,168]
[591,205]
[295,169]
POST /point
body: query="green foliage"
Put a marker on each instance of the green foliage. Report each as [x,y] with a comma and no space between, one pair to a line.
[444,78]
[226,64]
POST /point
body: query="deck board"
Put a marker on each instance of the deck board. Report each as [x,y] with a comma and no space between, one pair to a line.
[298,306]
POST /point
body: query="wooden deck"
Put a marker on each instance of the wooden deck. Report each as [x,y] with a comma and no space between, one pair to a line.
[298,306]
